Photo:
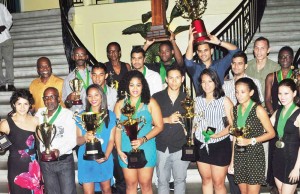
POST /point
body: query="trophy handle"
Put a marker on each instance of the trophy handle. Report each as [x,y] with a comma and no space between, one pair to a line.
[54,133]
[142,120]
[37,134]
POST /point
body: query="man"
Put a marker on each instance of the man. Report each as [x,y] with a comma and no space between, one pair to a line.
[59,176]
[204,52]
[238,67]
[168,50]
[153,78]
[46,79]
[80,57]
[6,50]
[99,75]
[170,141]
[261,65]
[115,67]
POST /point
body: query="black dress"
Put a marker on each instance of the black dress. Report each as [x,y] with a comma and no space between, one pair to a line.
[21,156]
[115,76]
[284,159]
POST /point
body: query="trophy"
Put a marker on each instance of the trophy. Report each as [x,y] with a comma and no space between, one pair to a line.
[189,150]
[136,157]
[76,85]
[90,122]
[193,9]
[112,83]
[240,132]
[46,132]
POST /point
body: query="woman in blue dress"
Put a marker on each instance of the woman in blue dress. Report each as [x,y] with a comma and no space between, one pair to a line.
[101,170]
[136,86]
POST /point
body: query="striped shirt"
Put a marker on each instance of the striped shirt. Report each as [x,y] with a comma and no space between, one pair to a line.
[211,115]
[229,89]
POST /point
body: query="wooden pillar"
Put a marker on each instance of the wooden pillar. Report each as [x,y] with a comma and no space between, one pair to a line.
[158,30]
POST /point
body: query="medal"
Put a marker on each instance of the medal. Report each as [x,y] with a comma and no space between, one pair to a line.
[279,144]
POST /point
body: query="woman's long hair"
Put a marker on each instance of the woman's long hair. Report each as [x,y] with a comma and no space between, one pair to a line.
[218,91]
[252,86]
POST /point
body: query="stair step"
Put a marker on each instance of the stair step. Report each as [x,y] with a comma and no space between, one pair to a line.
[37,34]
[275,27]
[34,21]
[280,4]
[32,14]
[283,18]
[31,61]
[37,27]
[283,10]
[38,42]
[39,51]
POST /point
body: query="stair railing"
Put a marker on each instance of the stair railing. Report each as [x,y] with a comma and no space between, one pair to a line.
[70,38]
[296,61]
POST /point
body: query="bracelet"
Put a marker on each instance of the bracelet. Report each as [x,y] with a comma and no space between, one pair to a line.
[145,139]
[220,42]
[173,39]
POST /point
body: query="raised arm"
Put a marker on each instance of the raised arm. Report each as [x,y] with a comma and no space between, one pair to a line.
[177,53]
[189,51]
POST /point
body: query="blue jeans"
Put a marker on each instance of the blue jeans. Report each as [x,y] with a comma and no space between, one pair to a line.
[167,163]
[59,176]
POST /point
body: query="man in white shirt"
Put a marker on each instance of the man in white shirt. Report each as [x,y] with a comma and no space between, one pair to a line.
[99,75]
[6,50]
[59,175]
[152,77]
[238,67]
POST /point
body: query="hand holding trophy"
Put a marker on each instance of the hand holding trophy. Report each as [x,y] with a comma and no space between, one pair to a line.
[46,132]
[194,9]
[76,85]
[136,157]
[239,132]
[91,121]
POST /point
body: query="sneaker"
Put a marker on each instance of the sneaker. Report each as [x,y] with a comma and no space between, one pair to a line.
[2,88]
[11,88]
[171,185]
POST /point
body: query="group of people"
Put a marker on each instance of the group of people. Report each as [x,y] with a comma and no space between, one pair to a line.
[258,97]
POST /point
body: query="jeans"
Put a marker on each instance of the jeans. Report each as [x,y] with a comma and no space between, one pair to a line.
[6,53]
[59,176]
[167,163]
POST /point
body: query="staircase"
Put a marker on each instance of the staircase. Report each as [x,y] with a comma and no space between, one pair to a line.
[281,25]
[35,34]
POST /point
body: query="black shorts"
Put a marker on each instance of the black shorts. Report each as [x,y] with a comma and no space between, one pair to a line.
[219,153]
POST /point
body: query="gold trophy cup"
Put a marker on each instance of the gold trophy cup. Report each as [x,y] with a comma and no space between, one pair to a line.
[90,122]
[194,9]
[240,132]
[189,151]
[46,132]
[76,85]
[136,157]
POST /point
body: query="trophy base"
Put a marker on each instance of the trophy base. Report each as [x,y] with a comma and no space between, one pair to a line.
[93,151]
[241,148]
[200,30]
[159,33]
[77,102]
[48,157]
[189,153]
[136,159]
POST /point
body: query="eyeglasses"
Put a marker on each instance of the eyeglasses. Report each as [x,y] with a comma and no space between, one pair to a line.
[52,97]
[79,55]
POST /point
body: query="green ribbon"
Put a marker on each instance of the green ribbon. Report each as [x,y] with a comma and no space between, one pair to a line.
[282,120]
[144,71]
[241,119]
[207,135]
[87,82]
[163,72]
[105,89]
[137,105]
[56,113]
[280,76]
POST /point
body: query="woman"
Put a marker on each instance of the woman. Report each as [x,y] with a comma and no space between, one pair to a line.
[249,166]
[211,133]
[24,174]
[101,170]
[286,157]
[136,86]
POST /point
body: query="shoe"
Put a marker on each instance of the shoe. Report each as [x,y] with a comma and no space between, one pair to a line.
[2,88]
[11,88]
[171,185]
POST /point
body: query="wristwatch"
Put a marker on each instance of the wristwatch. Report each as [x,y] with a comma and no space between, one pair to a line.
[253,141]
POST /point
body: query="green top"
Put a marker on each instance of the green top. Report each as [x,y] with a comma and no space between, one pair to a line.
[261,75]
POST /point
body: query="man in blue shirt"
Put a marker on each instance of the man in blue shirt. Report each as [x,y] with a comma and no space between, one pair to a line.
[204,52]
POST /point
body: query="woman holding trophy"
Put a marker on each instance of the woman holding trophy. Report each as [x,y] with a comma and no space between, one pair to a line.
[134,84]
[286,121]
[252,126]
[99,170]
[211,135]
[24,174]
